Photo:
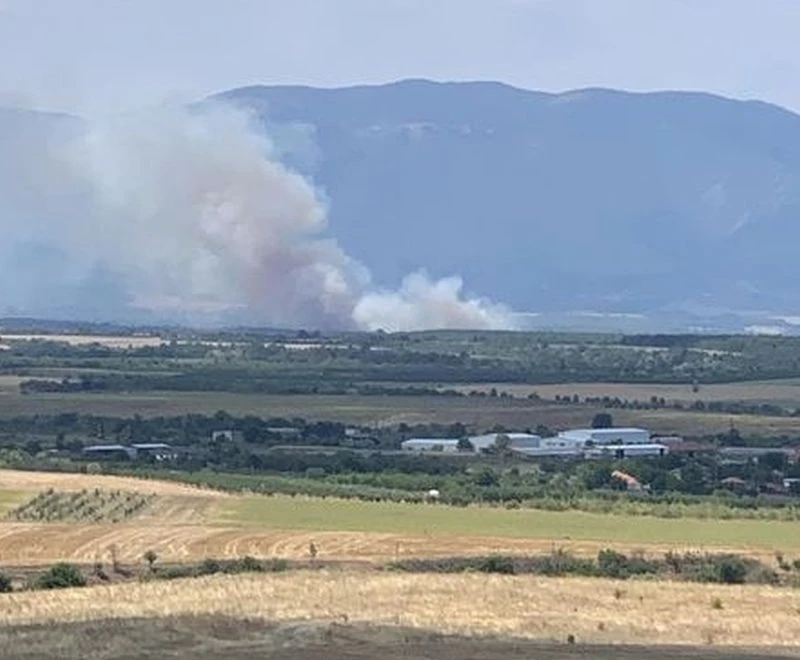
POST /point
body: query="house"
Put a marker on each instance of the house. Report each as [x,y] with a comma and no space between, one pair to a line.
[631,482]
[792,484]
[227,435]
[440,445]
[734,483]
[683,447]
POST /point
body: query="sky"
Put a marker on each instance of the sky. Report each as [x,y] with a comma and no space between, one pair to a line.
[106,56]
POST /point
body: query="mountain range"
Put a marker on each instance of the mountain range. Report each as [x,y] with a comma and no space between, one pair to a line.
[593,199]
[614,202]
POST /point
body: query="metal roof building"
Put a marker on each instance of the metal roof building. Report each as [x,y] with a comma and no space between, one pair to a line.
[611,436]
[446,445]
[518,440]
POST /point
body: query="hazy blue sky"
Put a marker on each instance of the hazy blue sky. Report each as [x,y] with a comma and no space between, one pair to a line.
[99,55]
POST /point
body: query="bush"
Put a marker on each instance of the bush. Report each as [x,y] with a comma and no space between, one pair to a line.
[244,565]
[617,565]
[504,565]
[5,584]
[61,576]
[251,565]
[560,563]
[176,572]
[209,567]
[723,569]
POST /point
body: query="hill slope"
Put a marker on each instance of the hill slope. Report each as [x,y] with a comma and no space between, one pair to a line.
[590,199]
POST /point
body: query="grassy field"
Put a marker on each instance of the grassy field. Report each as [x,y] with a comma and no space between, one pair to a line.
[592,610]
[429,520]
[389,410]
[779,392]
[9,499]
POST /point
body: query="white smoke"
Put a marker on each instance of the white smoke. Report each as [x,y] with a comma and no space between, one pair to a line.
[423,303]
[194,212]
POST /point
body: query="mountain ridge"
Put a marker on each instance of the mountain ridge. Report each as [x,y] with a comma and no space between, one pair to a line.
[592,199]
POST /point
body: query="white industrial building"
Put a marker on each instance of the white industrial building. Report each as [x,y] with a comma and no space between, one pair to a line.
[517,440]
[625,451]
[556,447]
[612,436]
[444,445]
[576,443]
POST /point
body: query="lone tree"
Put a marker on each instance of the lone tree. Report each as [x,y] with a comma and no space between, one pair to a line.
[502,443]
[465,445]
[602,420]
[150,557]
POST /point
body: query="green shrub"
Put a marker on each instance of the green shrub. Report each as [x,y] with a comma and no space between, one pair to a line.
[559,563]
[5,584]
[209,567]
[61,576]
[613,564]
[175,572]
[495,564]
[724,569]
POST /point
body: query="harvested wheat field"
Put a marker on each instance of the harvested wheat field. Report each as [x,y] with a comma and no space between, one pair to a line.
[37,544]
[593,610]
[22,480]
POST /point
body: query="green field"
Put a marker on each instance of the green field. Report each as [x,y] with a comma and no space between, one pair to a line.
[413,519]
[10,499]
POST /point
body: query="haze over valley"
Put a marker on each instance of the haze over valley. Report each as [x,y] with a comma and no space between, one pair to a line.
[408,205]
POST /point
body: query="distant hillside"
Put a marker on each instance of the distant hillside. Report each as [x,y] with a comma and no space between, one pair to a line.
[676,206]
[592,199]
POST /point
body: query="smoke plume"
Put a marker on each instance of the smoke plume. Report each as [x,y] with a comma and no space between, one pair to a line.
[191,212]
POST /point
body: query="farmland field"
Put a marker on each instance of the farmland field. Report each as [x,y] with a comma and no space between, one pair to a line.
[111,341]
[384,410]
[185,523]
[593,610]
[205,637]
[348,610]
[784,392]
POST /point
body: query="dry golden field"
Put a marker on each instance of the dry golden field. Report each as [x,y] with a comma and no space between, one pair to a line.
[594,610]
[188,524]
[23,480]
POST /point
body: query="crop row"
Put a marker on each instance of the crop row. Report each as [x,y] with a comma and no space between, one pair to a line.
[82,506]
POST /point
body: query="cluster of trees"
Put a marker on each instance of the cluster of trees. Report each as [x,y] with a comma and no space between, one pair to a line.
[251,361]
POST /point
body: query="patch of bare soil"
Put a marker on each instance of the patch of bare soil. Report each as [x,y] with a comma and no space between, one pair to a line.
[205,638]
